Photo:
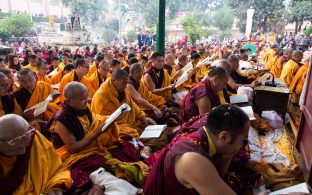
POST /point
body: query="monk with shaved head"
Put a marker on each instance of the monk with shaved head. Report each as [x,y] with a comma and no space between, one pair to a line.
[28,162]
[290,68]
[100,75]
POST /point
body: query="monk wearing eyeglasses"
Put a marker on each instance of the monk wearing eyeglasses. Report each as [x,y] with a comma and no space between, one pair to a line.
[28,161]
[100,75]
[42,70]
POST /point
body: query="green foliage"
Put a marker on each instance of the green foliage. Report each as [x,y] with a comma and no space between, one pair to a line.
[300,10]
[17,25]
[131,36]
[108,35]
[308,31]
[223,19]
[191,27]
[149,10]
[112,24]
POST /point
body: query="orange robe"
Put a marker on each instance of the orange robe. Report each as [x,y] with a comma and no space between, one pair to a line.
[298,81]
[93,69]
[44,79]
[45,171]
[56,78]
[96,80]
[32,68]
[71,77]
[289,71]
[105,102]
[269,61]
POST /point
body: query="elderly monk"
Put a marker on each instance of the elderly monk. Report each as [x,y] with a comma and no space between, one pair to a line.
[209,147]
[280,61]
[205,95]
[291,67]
[110,96]
[78,136]
[42,70]
[95,66]
[28,161]
[100,75]
[299,79]
[32,63]
[65,61]
[8,103]
[157,79]
[33,92]
[169,65]
[144,98]
[13,84]
[56,78]
[82,69]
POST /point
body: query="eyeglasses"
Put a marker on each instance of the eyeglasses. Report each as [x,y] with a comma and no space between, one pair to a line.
[19,139]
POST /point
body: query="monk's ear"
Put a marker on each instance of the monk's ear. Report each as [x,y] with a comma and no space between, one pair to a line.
[224,137]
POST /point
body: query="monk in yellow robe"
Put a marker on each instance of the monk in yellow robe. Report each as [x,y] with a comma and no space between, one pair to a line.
[115,65]
[95,65]
[291,67]
[32,63]
[144,98]
[157,79]
[33,92]
[13,84]
[65,61]
[110,96]
[279,61]
[299,79]
[100,75]
[269,61]
[42,70]
[8,104]
[78,136]
[56,78]
[82,68]
[28,161]
[171,67]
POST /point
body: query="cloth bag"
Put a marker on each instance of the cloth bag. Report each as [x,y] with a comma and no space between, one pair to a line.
[112,184]
[273,118]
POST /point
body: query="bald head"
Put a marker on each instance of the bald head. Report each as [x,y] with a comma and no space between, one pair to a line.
[25,72]
[234,61]
[103,64]
[12,125]
[223,64]
[218,72]
[74,89]
[297,56]
[119,74]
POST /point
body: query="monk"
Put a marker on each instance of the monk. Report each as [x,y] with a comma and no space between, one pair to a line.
[33,92]
[110,96]
[291,67]
[8,104]
[83,145]
[100,75]
[280,61]
[157,79]
[299,79]
[143,97]
[210,148]
[13,84]
[65,61]
[270,56]
[56,78]
[55,62]
[95,65]
[205,95]
[114,65]
[82,69]
[169,65]
[32,63]
[42,70]
[28,161]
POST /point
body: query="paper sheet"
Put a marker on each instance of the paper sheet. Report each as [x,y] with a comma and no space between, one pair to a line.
[42,106]
[182,79]
[153,131]
[303,187]
[122,109]
[249,111]
[236,99]
[187,67]
[56,86]
[52,73]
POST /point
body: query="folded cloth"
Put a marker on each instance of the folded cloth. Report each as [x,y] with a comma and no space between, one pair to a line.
[112,184]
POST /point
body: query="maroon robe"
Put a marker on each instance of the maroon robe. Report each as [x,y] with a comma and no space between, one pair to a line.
[158,80]
[8,104]
[22,97]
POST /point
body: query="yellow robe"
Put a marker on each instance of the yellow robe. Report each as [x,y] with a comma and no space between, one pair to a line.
[71,77]
[277,66]
[298,81]
[105,102]
[32,68]
[15,86]
[45,172]
[44,79]
[269,61]
[56,78]
[94,79]
[166,82]
[17,109]
[61,66]
[93,69]
[289,71]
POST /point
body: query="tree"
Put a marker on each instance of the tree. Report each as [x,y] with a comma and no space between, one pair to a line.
[109,35]
[267,13]
[308,31]
[223,19]
[17,25]
[88,10]
[191,27]
[131,36]
[149,10]
[300,10]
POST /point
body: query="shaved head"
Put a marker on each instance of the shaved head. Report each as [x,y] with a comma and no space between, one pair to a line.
[12,125]
[135,67]
[75,89]
[104,63]
[223,64]
[119,74]
[25,72]
[297,55]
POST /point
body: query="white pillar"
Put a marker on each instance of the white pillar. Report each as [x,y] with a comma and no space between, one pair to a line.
[250,13]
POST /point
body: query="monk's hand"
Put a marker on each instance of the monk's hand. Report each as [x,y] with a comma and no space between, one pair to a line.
[254,83]
[96,190]
[148,120]
[28,114]
[55,192]
[171,86]
[157,112]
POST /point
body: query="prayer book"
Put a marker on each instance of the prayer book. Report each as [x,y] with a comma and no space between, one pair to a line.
[153,131]
[203,62]
[237,99]
[122,109]
[187,67]
[52,73]
[249,111]
[42,106]
[263,78]
[303,188]
[182,79]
